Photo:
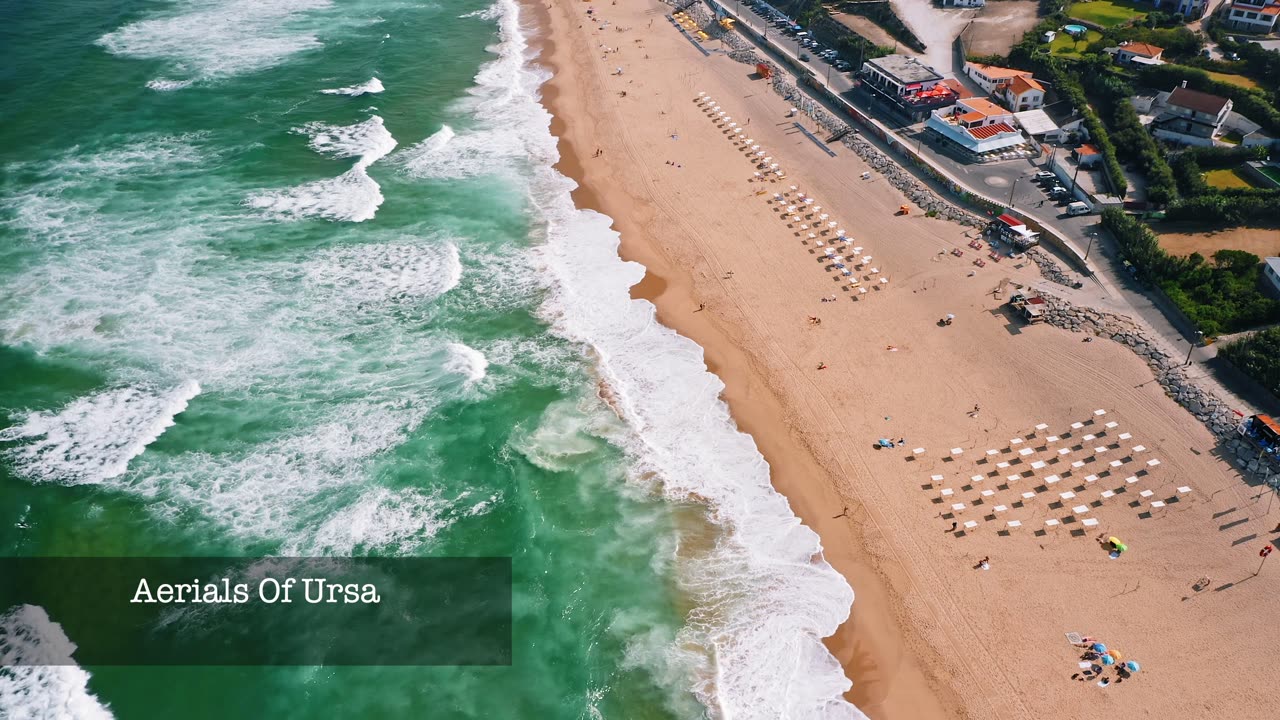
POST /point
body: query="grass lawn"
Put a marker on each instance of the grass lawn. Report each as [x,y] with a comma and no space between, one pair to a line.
[1108,13]
[1271,172]
[1064,44]
[1224,179]
[1239,80]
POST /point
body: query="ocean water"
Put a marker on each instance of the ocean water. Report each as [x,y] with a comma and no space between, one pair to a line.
[297,277]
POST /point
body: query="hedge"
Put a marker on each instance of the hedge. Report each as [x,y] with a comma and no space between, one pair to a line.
[1219,297]
[1131,139]
[1258,355]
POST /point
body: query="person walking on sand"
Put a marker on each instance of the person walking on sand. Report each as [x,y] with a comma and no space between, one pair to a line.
[843,513]
[954,524]
[701,307]
[822,366]
[985,563]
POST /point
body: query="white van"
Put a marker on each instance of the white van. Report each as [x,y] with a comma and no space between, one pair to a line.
[1078,208]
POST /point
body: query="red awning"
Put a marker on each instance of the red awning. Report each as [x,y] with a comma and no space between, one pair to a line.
[1011,221]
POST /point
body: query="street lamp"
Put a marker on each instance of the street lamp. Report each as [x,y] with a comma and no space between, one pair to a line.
[1193,343]
[1092,236]
[1015,187]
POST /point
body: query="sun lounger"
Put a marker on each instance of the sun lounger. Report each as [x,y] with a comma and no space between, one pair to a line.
[1051,479]
[958,507]
[917,451]
[1147,493]
[976,478]
[1078,464]
[1080,509]
[1099,413]
[970,524]
[1015,524]
[1089,522]
[1077,425]
[1038,465]
[1001,508]
[1028,495]
[1025,451]
[988,493]
[1064,451]
[1066,495]
[1131,479]
[1052,522]
[1153,462]
[1013,478]
[948,492]
[1116,463]
[1042,426]
[957,451]
[1112,425]
[1002,465]
[1090,478]
[1051,438]
[1184,489]
[1107,494]
[935,478]
[1125,436]
[1157,504]
[993,452]
[1015,441]
[1087,438]
[1139,448]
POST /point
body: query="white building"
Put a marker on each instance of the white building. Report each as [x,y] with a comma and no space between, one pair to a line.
[1271,268]
[989,77]
[1021,94]
[1255,16]
[977,125]
[1191,117]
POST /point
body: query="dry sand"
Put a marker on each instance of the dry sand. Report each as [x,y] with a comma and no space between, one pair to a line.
[999,26]
[929,636]
[1183,240]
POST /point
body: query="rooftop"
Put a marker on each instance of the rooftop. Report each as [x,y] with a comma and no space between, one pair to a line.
[986,131]
[1035,122]
[1141,48]
[1274,264]
[1086,150]
[983,106]
[999,73]
[904,69]
[1022,84]
[958,88]
[1197,101]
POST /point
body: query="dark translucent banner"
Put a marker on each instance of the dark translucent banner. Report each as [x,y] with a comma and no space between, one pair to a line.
[255,611]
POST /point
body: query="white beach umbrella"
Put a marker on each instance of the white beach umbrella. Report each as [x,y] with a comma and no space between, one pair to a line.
[832,224]
[841,233]
[823,216]
[778,173]
[774,166]
[793,188]
[828,251]
[866,258]
[739,131]
[702,93]
[791,208]
[804,227]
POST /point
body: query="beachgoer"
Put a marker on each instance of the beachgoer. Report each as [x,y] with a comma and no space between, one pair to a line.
[891,348]
[701,307]
[954,524]
[985,563]
[844,513]
[1088,339]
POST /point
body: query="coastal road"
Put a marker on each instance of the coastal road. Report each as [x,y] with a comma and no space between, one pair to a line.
[1111,289]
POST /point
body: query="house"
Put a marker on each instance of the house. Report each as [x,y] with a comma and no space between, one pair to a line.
[989,77]
[1254,16]
[1021,93]
[1137,53]
[977,125]
[1189,9]
[908,85]
[1271,268]
[1191,117]
[1087,155]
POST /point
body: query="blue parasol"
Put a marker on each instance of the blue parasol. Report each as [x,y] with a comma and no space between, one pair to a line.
[1132,666]
[1108,660]
[1099,648]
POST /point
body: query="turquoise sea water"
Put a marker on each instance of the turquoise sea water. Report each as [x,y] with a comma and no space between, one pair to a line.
[296,277]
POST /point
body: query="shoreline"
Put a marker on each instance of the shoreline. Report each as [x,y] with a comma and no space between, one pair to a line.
[930,633]
[867,645]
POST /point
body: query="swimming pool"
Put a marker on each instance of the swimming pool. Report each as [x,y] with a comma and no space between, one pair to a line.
[1075,29]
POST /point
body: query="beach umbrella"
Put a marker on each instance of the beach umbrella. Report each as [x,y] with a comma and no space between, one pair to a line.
[791,208]
[841,232]
[778,173]
[774,166]
[1132,666]
[1108,660]
[793,188]
[950,316]
[824,216]
[1115,654]
[702,93]
[804,227]
[739,131]
[857,249]
[812,236]
[1099,648]
[808,201]
[832,224]
[734,124]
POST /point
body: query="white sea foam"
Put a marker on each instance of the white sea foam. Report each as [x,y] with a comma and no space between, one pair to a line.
[377,273]
[209,39]
[38,677]
[93,439]
[167,85]
[374,85]
[765,596]
[352,196]
[466,361]
[380,521]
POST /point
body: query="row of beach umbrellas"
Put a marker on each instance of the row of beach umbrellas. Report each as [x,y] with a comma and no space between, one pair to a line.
[796,206]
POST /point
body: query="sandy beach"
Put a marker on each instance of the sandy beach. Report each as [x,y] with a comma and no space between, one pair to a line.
[930,635]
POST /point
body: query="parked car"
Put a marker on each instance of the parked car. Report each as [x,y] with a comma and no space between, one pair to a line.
[1078,208]
[804,57]
[1057,191]
[843,66]
[1044,175]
